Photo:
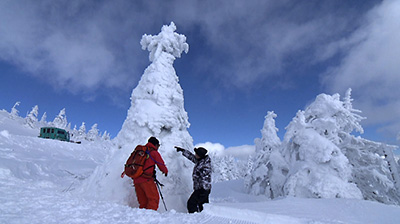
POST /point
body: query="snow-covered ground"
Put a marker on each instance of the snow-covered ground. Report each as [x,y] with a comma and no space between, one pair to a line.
[40,181]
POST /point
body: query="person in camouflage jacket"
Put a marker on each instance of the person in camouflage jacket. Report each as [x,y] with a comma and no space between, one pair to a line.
[201,178]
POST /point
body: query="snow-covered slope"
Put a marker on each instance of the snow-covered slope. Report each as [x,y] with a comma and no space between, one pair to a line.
[40,181]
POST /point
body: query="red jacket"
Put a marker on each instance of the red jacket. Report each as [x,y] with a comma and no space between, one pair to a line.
[154,159]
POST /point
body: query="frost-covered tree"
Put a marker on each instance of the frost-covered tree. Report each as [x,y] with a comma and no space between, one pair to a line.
[31,119]
[317,167]
[43,119]
[14,112]
[269,139]
[80,134]
[325,160]
[375,171]
[74,133]
[269,169]
[225,168]
[82,129]
[106,136]
[249,167]
[60,121]
[157,109]
[93,133]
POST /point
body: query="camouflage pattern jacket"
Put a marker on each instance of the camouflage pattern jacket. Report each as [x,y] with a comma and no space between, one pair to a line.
[201,171]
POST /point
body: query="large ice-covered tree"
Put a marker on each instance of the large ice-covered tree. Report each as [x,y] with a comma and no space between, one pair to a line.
[317,166]
[325,160]
[157,109]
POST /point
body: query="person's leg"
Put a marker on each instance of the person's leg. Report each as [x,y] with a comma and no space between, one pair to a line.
[141,195]
[192,203]
[151,192]
[203,198]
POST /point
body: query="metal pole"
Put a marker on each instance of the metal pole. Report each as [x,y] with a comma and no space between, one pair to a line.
[159,190]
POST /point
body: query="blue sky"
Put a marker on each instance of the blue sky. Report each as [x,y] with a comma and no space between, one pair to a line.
[245,58]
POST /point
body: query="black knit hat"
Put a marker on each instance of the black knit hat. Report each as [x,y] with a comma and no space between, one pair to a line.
[200,151]
[154,141]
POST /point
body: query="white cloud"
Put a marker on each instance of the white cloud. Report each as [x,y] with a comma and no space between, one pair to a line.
[213,148]
[371,67]
[86,45]
[239,152]
[72,45]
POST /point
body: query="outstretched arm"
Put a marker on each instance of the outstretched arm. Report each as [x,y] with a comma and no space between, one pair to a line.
[187,154]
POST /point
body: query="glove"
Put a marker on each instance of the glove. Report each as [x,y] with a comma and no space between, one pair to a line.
[122,174]
[166,174]
[179,149]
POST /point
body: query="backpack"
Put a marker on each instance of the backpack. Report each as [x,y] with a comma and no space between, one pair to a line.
[134,164]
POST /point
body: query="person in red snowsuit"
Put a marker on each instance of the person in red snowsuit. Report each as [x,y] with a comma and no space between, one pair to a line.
[145,186]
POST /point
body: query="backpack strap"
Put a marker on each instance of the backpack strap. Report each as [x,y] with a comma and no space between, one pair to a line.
[148,152]
[147,175]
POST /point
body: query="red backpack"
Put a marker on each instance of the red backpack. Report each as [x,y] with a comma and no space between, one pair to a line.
[134,164]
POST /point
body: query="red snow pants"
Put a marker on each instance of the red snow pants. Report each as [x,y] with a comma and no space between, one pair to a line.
[147,195]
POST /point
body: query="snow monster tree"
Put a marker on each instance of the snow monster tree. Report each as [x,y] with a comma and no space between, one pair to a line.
[157,109]
[321,158]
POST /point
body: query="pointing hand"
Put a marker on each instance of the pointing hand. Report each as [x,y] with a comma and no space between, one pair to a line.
[179,149]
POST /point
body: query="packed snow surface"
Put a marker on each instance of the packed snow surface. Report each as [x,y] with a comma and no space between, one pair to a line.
[40,182]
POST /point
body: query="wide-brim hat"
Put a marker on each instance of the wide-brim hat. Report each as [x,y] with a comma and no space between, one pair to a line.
[200,151]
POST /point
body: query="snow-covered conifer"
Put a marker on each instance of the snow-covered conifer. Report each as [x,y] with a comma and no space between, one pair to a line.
[80,133]
[317,166]
[223,169]
[74,133]
[31,119]
[375,171]
[106,136]
[43,119]
[14,112]
[157,109]
[226,168]
[60,121]
[249,166]
[82,129]
[93,133]
[268,172]
[325,160]
[269,134]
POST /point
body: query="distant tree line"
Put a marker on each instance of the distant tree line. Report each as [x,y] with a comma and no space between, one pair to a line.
[60,121]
